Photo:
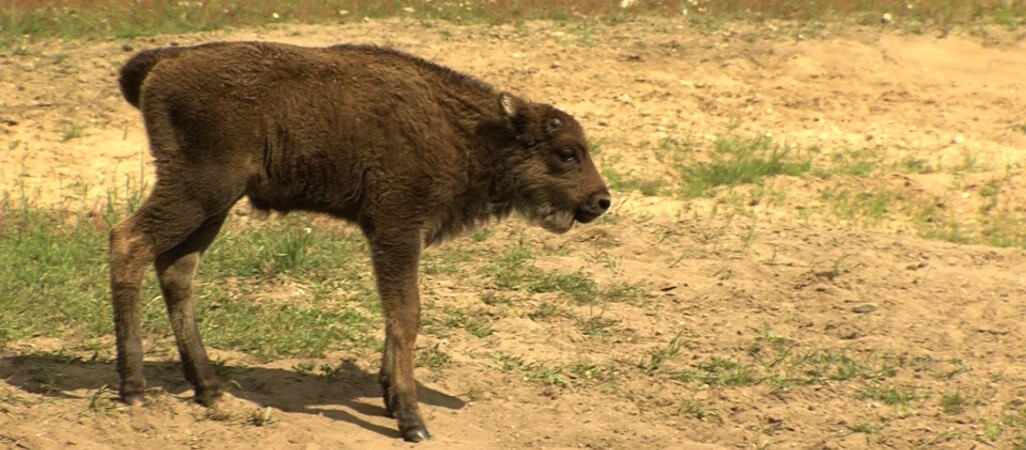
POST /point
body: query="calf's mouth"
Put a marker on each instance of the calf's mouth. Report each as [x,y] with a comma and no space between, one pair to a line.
[593,207]
[560,220]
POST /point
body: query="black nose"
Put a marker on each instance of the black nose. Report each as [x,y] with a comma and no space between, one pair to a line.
[596,204]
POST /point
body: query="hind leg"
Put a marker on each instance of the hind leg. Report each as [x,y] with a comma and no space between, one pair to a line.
[166,219]
[130,252]
[175,270]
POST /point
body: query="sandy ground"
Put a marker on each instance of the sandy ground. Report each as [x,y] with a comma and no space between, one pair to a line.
[946,317]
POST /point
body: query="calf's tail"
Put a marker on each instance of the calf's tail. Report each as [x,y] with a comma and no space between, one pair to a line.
[134,72]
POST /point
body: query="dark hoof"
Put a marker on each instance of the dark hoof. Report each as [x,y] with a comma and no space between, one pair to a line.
[134,400]
[207,399]
[416,435]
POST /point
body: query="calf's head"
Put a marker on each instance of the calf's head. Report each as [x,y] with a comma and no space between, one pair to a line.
[554,179]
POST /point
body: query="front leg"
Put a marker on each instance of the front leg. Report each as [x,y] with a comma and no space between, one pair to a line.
[395,261]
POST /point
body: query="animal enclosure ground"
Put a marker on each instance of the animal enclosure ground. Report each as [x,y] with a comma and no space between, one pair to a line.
[817,240]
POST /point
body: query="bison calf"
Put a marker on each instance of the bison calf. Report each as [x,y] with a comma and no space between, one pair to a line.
[410,151]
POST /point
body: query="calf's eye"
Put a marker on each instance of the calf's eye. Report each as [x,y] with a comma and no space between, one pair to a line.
[567,155]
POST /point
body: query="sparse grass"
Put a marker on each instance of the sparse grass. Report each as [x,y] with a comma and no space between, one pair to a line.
[865,208]
[548,375]
[103,401]
[720,372]
[481,234]
[911,164]
[735,160]
[934,222]
[545,310]
[866,427]
[61,287]
[583,372]
[584,31]
[472,323]
[992,429]
[695,409]
[575,285]
[952,368]
[70,130]
[900,399]
[495,299]
[260,418]
[448,261]
[46,378]
[69,19]
[432,357]
[514,270]
[970,162]
[990,190]
[511,268]
[953,403]
[659,355]
[304,367]
[860,163]
[777,362]
[597,325]
[1004,226]
[857,192]
[629,181]
[508,362]
[1012,421]
[578,373]
[10,398]
[331,372]
[997,221]
[291,247]
[269,330]
[891,395]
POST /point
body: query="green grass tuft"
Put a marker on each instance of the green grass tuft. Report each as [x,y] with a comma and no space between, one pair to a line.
[272,289]
[953,403]
[22,20]
[735,160]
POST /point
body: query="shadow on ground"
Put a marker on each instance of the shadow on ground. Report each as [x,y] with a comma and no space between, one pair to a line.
[62,375]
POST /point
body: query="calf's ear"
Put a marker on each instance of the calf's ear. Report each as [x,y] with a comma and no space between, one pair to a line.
[515,110]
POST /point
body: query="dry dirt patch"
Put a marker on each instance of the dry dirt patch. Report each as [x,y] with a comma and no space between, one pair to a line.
[833,323]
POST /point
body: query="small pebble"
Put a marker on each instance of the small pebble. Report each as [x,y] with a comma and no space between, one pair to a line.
[864,308]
